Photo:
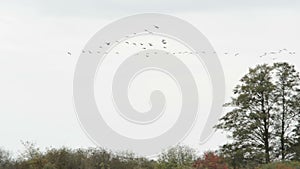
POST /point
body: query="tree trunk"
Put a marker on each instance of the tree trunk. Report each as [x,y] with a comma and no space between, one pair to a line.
[266,132]
[267,146]
[282,128]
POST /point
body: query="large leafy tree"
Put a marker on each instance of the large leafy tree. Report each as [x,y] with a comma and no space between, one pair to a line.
[263,116]
[250,121]
[287,84]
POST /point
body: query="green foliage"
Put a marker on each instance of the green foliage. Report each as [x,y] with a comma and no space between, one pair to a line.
[179,157]
[281,165]
[295,148]
[287,82]
[65,158]
[237,156]
[263,121]
[5,160]
[250,120]
[49,166]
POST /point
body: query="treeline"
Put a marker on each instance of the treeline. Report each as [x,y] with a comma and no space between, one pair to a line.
[179,157]
[263,120]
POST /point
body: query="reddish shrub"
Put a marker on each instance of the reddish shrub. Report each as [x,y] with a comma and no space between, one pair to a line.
[210,160]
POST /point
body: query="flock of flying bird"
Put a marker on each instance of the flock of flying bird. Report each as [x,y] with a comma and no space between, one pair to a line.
[163,44]
[278,52]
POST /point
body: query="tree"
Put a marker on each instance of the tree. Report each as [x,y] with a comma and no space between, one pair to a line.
[32,157]
[210,160]
[295,148]
[5,160]
[250,121]
[235,155]
[99,158]
[287,82]
[179,157]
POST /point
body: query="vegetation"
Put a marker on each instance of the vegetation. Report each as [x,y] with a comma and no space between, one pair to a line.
[210,160]
[281,165]
[179,157]
[263,121]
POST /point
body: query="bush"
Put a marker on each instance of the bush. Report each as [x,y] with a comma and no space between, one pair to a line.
[210,160]
[281,165]
[5,159]
[179,157]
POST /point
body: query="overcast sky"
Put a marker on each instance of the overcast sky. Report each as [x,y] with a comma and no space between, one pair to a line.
[36,73]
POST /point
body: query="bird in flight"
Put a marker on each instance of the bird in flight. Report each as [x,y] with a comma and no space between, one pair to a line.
[265,54]
[293,53]
[155,26]
[146,30]
[150,44]
[107,43]
[69,53]
[164,41]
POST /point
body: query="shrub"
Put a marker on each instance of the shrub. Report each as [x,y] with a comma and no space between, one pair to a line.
[281,165]
[210,160]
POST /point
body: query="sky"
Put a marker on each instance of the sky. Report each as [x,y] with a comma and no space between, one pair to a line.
[36,72]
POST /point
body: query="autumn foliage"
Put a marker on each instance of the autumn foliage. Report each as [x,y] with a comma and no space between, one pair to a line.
[210,160]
